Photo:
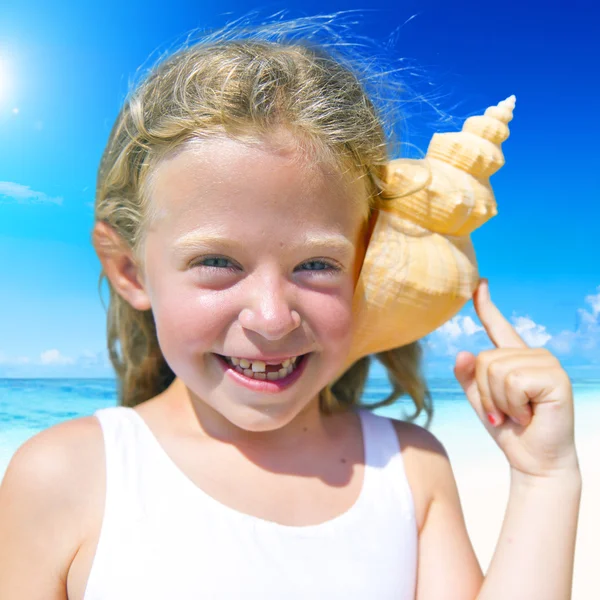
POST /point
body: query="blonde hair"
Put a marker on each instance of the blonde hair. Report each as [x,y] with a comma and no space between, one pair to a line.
[240,82]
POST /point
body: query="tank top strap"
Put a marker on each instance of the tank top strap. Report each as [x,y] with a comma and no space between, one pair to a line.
[383,459]
[128,472]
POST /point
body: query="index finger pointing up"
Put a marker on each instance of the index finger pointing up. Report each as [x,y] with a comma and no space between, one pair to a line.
[499,330]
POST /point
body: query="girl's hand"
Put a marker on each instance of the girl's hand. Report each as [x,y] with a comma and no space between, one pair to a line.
[522,395]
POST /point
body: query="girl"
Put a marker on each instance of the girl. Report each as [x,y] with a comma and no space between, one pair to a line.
[232,213]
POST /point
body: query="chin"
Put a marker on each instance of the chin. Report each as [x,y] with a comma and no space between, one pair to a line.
[264,418]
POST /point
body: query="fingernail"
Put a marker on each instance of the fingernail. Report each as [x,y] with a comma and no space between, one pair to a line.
[493,419]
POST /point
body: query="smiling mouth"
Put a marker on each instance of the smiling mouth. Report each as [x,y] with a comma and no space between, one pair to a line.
[260,370]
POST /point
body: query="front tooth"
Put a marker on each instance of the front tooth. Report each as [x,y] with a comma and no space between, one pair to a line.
[244,363]
[235,361]
[259,366]
[248,372]
[260,375]
[282,372]
[272,376]
[286,362]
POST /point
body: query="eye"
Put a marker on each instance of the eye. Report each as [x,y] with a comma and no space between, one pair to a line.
[319,265]
[218,263]
[215,261]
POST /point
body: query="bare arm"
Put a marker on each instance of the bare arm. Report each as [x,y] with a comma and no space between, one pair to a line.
[535,553]
[447,565]
[41,513]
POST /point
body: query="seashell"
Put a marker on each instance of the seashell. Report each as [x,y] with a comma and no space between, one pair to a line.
[420,267]
[456,197]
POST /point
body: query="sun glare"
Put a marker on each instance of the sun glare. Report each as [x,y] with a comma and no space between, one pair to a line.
[4,78]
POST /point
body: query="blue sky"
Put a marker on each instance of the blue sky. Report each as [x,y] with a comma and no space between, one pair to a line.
[65,69]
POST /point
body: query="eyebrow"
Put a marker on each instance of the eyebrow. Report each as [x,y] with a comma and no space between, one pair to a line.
[194,240]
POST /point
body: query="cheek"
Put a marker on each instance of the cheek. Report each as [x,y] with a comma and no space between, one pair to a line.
[192,321]
[330,317]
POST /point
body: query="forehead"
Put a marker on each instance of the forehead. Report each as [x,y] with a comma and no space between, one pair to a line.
[216,178]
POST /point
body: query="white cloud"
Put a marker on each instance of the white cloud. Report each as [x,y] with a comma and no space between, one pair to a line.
[470,327]
[533,335]
[594,301]
[54,357]
[451,329]
[458,326]
[589,322]
[23,194]
[445,338]
[564,342]
[585,340]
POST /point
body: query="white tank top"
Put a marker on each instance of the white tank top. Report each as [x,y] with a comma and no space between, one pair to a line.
[163,538]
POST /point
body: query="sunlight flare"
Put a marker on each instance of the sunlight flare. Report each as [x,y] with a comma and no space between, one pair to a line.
[5,79]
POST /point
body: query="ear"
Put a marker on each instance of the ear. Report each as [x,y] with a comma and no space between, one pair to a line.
[120,266]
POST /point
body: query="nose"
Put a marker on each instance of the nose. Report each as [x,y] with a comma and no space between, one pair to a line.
[269,312]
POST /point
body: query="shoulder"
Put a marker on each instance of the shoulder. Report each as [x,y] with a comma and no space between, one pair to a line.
[51,484]
[426,464]
[420,442]
[58,455]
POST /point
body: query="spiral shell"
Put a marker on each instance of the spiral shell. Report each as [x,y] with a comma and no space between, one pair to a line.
[455,196]
[420,267]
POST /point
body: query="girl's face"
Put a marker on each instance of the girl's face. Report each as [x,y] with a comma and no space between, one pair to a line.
[252,256]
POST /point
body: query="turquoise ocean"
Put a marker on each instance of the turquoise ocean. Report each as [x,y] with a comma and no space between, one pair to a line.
[27,406]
